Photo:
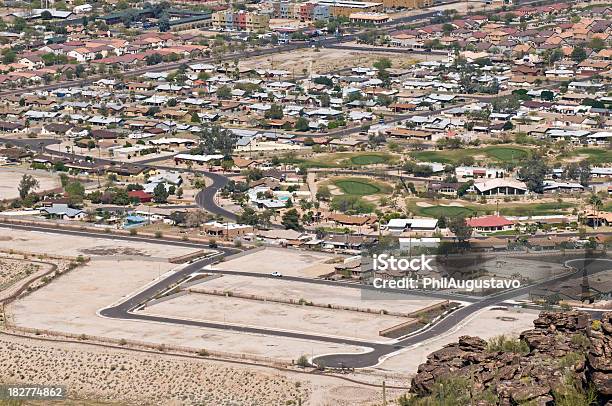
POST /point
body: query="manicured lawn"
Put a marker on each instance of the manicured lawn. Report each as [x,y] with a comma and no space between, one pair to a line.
[494,153]
[357,187]
[506,154]
[506,209]
[368,159]
[447,211]
[538,209]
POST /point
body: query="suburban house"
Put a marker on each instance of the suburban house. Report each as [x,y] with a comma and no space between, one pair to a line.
[489,224]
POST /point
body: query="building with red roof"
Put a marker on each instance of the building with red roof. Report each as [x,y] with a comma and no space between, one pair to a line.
[141,195]
[488,224]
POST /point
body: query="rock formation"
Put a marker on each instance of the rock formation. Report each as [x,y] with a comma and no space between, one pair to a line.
[565,355]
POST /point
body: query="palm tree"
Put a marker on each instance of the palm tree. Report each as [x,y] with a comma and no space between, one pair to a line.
[596,204]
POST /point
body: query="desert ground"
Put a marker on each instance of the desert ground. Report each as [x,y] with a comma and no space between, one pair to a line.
[325,60]
[11,176]
[288,262]
[13,270]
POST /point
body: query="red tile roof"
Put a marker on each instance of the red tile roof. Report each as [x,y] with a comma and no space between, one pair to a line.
[489,221]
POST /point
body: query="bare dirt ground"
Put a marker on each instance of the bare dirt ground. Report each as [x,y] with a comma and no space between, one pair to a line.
[325,60]
[12,270]
[318,294]
[70,304]
[122,377]
[137,379]
[40,242]
[277,316]
[486,324]
[286,261]
[10,178]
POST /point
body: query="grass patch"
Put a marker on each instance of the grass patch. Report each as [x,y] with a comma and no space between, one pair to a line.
[506,209]
[493,153]
[357,187]
[538,209]
[368,159]
[338,160]
[448,211]
[506,154]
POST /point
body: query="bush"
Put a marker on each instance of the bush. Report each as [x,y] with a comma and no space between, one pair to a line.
[158,234]
[203,353]
[303,361]
[133,231]
[504,344]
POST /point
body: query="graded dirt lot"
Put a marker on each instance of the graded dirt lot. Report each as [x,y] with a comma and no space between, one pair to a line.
[11,176]
[286,261]
[118,269]
[277,316]
[318,294]
[40,242]
[485,324]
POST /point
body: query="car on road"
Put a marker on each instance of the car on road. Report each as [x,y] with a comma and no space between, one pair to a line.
[276,274]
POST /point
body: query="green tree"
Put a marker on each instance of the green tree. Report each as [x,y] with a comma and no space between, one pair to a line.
[224,93]
[28,184]
[75,192]
[323,193]
[458,226]
[301,124]
[578,54]
[215,139]
[160,194]
[164,23]
[249,216]
[291,220]
[533,172]
[275,112]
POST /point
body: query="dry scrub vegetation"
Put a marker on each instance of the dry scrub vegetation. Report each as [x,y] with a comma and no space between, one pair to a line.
[12,270]
[132,378]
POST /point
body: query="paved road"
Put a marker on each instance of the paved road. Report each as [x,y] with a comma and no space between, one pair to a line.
[125,309]
[205,199]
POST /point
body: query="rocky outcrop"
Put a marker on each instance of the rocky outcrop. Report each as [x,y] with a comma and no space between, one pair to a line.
[564,350]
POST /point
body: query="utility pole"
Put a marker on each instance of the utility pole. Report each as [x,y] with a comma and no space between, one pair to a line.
[384,393]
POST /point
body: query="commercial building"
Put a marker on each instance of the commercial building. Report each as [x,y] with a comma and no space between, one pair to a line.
[407,3]
[240,20]
[366,17]
[345,8]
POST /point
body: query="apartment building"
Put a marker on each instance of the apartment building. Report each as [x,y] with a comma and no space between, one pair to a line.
[240,20]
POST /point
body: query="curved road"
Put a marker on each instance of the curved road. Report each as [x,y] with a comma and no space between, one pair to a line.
[205,199]
[126,308]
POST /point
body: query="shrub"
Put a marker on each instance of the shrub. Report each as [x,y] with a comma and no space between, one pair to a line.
[158,234]
[203,353]
[303,361]
[504,344]
[133,231]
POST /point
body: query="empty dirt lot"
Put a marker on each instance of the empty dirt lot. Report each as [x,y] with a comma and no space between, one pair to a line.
[11,176]
[118,269]
[39,242]
[286,261]
[277,316]
[318,294]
